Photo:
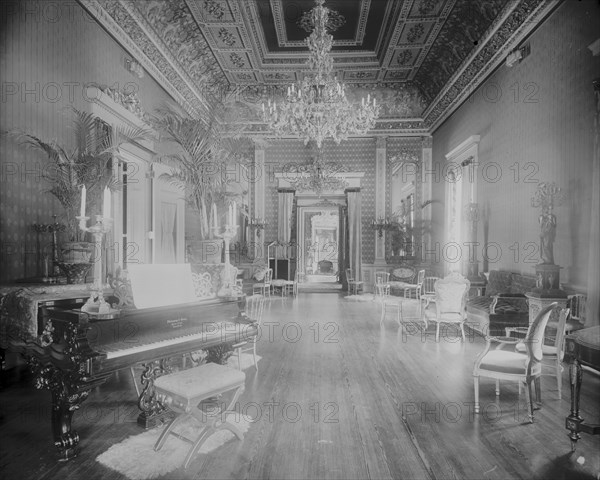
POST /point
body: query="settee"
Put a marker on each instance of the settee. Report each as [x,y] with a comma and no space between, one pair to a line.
[503,305]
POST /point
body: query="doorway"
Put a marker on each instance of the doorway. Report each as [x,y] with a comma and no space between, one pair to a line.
[318,229]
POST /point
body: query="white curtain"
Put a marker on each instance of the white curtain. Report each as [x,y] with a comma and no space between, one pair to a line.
[284,220]
[593,286]
[354,232]
[167,233]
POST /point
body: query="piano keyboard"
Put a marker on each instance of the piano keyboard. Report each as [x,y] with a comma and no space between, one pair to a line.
[217,330]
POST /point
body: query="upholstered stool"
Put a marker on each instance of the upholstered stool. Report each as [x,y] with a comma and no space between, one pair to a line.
[182,393]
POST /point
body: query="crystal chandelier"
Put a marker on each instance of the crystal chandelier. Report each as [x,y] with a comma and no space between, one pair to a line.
[318,177]
[317,108]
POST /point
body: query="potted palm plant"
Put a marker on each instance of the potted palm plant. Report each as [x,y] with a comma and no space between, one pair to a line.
[88,164]
[201,151]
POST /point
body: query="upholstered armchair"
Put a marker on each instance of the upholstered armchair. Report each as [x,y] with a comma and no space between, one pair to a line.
[450,303]
[524,367]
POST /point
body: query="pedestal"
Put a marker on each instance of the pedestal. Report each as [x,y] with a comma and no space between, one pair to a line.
[548,280]
[538,302]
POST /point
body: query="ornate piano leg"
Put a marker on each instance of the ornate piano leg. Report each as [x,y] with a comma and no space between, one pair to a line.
[66,398]
[574,421]
[152,411]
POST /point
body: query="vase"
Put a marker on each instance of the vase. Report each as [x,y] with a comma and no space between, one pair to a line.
[75,272]
[76,252]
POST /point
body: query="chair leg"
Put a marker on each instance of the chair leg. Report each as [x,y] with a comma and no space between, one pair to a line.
[437,332]
[529,381]
[254,354]
[462,331]
[559,377]
[476,385]
[538,389]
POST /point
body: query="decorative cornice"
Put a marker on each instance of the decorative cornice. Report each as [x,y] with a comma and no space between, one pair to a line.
[513,28]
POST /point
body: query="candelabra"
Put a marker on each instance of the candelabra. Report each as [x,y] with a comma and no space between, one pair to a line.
[257,224]
[96,303]
[228,283]
[52,228]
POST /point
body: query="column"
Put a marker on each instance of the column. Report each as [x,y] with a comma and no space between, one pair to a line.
[380,192]
[425,174]
[260,175]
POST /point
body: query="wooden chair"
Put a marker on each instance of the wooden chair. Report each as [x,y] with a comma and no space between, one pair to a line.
[408,289]
[427,293]
[353,284]
[553,348]
[511,365]
[451,294]
[264,287]
[255,306]
[382,284]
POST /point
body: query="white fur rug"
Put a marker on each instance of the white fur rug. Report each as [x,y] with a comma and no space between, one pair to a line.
[135,457]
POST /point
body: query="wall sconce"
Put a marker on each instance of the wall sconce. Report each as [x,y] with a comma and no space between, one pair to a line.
[257,224]
[382,224]
[134,67]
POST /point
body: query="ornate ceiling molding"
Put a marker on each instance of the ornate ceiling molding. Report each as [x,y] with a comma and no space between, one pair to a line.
[199,49]
[517,23]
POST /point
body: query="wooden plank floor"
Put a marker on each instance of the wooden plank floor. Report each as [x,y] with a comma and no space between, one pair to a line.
[337,397]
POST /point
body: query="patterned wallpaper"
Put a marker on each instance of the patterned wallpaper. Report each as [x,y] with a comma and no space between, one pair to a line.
[536,124]
[48,56]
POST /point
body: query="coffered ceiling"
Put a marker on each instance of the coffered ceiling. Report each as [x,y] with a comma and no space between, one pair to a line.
[420,58]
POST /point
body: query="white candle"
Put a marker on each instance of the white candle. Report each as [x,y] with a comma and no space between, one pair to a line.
[83,199]
[106,205]
[234,214]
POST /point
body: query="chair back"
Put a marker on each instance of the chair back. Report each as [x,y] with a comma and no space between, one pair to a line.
[560,332]
[349,275]
[451,293]
[255,305]
[420,277]
[268,277]
[534,340]
[382,278]
[428,283]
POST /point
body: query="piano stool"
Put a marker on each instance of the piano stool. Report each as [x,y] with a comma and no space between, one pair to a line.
[182,393]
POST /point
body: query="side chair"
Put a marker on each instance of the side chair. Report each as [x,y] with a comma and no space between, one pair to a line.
[525,367]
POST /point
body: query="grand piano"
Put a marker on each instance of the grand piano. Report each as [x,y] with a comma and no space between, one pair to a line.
[75,351]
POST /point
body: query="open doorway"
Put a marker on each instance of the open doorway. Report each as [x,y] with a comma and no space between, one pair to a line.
[320,240]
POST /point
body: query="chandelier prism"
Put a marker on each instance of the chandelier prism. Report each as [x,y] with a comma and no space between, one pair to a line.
[316,108]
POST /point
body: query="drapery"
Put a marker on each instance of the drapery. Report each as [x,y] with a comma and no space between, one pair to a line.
[342,247]
[167,233]
[354,232]
[284,216]
[593,285]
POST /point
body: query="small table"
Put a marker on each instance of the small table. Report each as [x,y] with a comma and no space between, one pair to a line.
[582,348]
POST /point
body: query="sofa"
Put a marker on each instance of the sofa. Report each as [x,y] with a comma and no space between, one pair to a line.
[503,305]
